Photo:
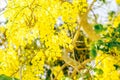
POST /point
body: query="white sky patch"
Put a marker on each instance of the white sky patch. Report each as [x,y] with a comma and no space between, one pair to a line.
[2,19]
[3,4]
[102,9]
[59,21]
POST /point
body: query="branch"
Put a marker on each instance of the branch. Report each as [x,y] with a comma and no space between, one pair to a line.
[79,66]
[80,49]
[82,20]
[94,16]
[87,27]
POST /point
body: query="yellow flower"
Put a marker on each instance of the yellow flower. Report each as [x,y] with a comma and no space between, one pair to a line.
[57,72]
[116,21]
[118,2]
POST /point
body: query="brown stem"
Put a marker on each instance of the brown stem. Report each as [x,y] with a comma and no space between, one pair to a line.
[87,27]
[80,49]
[79,67]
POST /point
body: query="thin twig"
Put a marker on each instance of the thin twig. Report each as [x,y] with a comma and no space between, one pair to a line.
[80,49]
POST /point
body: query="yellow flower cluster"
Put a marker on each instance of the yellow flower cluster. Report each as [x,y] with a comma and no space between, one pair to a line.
[116,21]
[107,63]
[57,72]
[118,2]
[32,39]
[9,62]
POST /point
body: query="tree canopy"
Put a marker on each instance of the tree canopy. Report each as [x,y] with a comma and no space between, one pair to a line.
[59,40]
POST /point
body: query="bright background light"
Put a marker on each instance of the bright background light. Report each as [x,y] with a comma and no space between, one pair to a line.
[99,9]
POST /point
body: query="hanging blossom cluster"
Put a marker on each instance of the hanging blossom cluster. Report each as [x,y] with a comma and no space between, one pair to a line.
[33,37]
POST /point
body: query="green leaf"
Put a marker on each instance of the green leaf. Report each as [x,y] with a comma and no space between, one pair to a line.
[98,28]
[112,13]
[93,53]
[104,1]
[118,28]
[98,71]
[66,78]
[117,67]
[4,77]
[87,76]
[100,42]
